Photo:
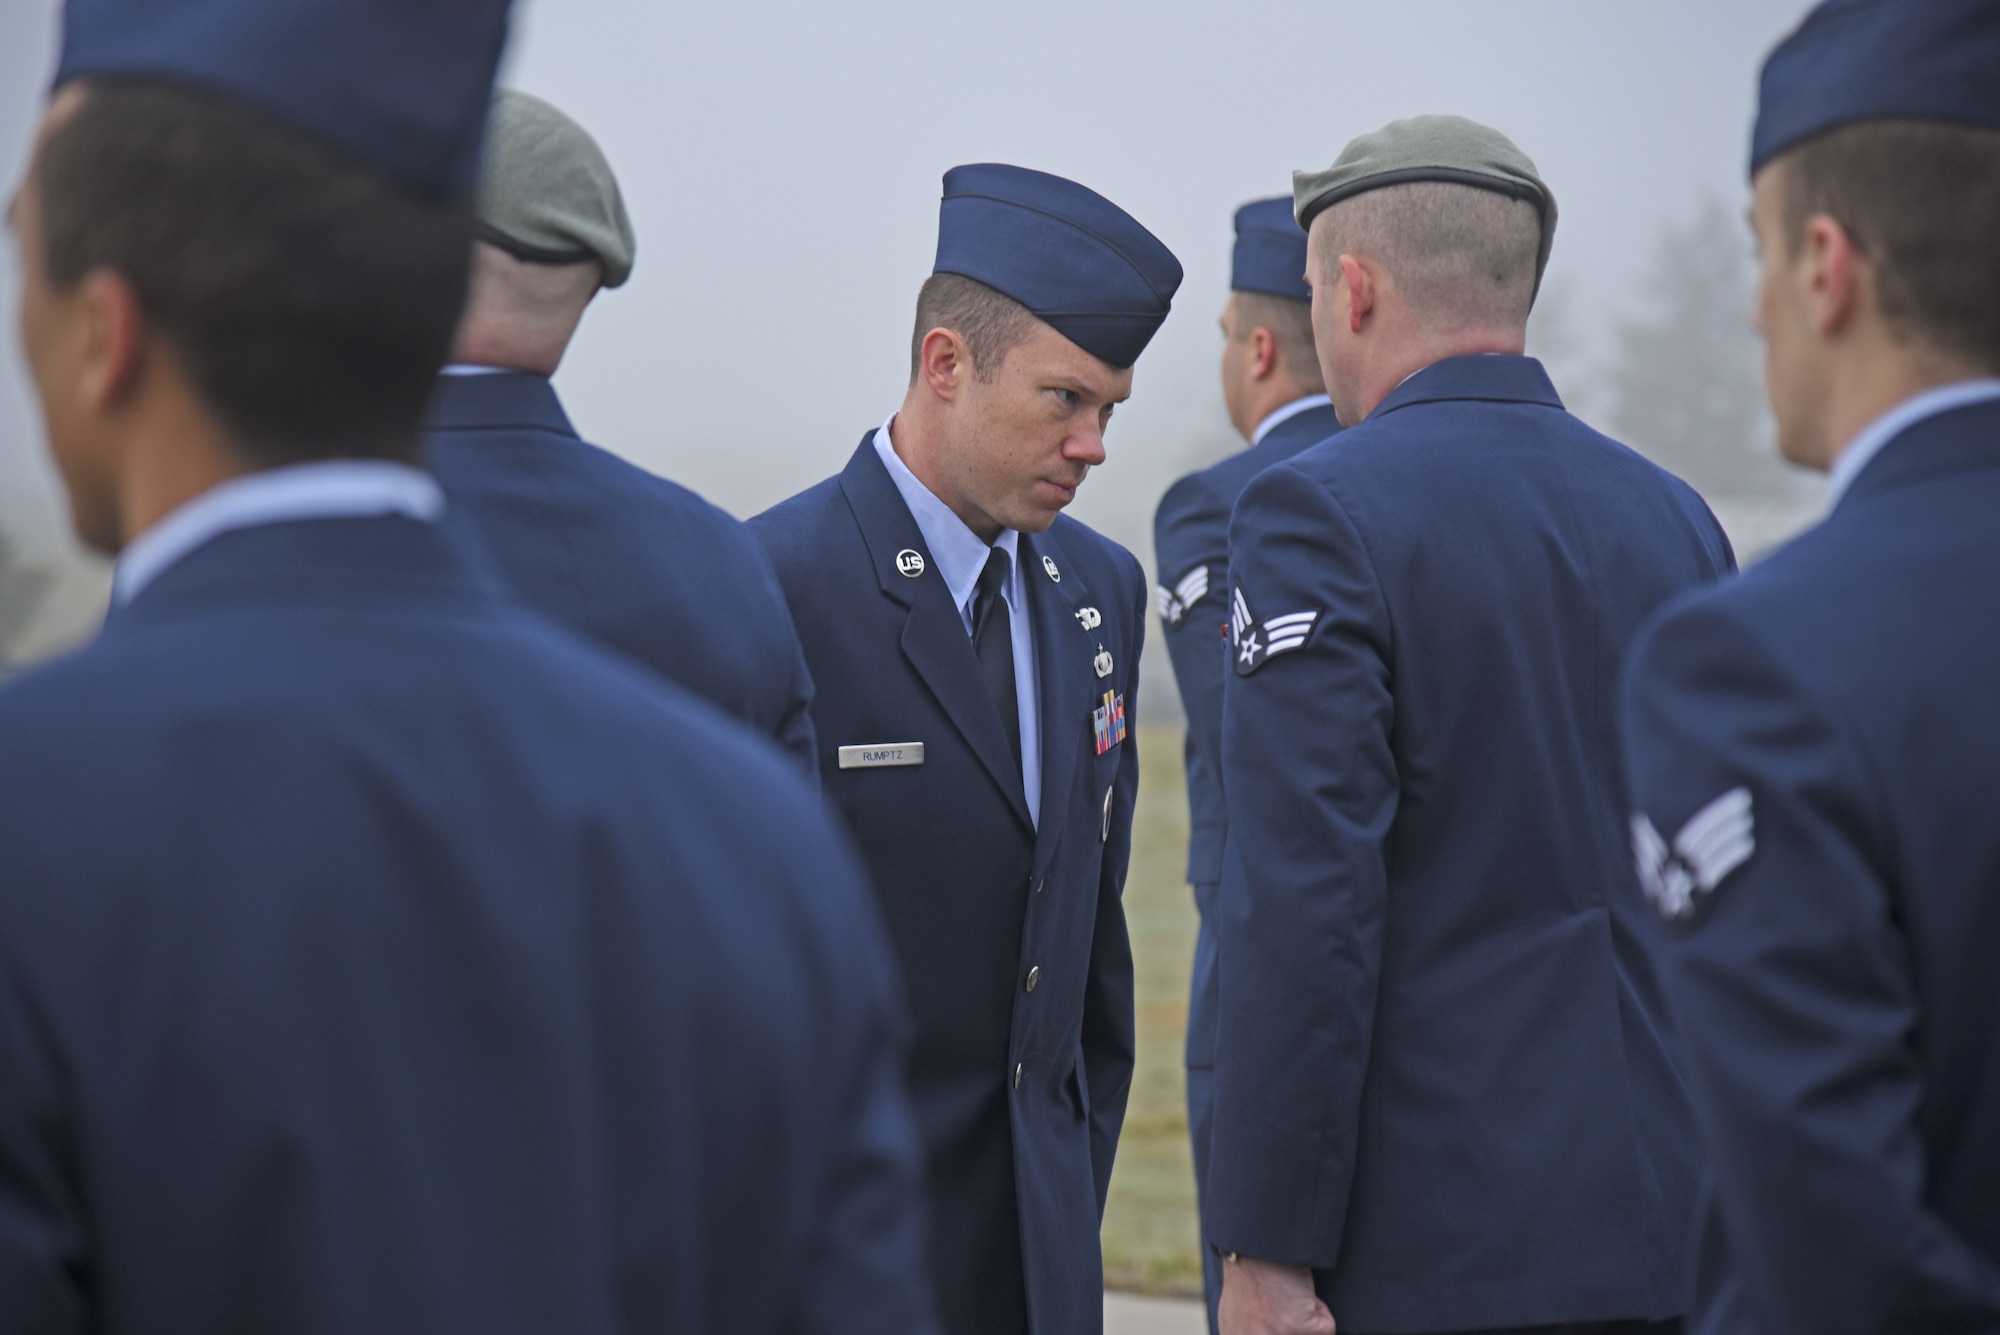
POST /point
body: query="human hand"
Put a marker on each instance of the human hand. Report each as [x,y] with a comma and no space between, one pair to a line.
[1266,1298]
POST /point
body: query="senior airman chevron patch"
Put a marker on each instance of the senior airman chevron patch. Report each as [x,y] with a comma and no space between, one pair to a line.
[1256,645]
[1174,603]
[1715,842]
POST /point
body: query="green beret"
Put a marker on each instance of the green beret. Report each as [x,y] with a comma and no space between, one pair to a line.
[547,195]
[1429,148]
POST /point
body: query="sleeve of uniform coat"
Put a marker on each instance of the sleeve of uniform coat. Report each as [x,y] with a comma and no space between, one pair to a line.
[41,1233]
[1791,984]
[1190,534]
[870,1273]
[1109,1043]
[795,730]
[1311,789]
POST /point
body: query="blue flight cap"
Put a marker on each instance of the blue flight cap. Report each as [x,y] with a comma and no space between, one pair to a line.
[401,85]
[1270,251]
[1865,60]
[1083,265]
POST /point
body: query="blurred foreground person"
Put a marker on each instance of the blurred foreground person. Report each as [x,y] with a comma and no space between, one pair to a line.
[1277,400]
[374,957]
[1443,1095]
[629,559]
[976,657]
[1814,749]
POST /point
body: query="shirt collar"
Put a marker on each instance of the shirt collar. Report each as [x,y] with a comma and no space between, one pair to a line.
[959,552]
[1877,434]
[467,368]
[1286,414]
[334,489]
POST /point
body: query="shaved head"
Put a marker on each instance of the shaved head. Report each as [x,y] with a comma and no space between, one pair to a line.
[1460,256]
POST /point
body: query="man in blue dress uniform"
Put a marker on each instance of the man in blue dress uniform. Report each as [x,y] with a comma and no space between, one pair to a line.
[1813,750]
[1277,399]
[976,656]
[629,559]
[375,956]
[1443,1097]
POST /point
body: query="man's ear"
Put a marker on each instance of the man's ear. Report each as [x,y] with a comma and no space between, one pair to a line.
[1263,353]
[112,329]
[1834,273]
[1360,285]
[945,364]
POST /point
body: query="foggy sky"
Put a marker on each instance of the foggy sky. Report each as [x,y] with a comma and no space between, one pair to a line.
[782,164]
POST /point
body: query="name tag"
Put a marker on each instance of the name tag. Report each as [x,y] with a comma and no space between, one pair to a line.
[882,755]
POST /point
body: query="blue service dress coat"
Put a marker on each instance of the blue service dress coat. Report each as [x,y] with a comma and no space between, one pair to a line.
[1443,1077]
[377,957]
[628,559]
[1191,551]
[1814,757]
[1191,554]
[1012,937]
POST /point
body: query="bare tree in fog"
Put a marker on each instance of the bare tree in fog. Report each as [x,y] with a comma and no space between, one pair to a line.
[21,589]
[1685,379]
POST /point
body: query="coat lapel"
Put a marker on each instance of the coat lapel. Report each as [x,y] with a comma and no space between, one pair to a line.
[934,638]
[1064,652]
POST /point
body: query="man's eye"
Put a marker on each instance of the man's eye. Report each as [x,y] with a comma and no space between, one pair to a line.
[1069,397]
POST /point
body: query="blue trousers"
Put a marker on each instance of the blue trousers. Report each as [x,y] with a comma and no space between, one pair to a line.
[1200,1100]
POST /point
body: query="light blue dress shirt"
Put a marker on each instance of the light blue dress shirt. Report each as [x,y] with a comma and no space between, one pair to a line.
[1286,414]
[335,489]
[1896,421]
[960,555]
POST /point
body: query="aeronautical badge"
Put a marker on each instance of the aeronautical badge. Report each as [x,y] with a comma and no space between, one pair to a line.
[1175,602]
[1108,721]
[1254,644]
[1715,842]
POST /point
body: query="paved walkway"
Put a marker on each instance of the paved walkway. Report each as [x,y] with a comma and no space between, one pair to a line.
[1127,1314]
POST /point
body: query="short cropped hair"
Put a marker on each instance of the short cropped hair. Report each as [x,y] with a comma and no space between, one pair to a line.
[1461,256]
[992,323]
[310,300]
[1290,323]
[1922,201]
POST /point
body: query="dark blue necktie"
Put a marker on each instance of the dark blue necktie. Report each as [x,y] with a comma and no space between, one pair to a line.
[993,643]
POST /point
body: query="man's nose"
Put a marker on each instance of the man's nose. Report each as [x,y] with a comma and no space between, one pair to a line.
[1085,446]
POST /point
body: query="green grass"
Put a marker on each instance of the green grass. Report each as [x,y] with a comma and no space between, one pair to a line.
[1151,1242]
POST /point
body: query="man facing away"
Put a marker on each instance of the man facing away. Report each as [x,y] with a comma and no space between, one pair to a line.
[375,956]
[976,658]
[628,559]
[1814,749]
[1443,1093]
[1276,398]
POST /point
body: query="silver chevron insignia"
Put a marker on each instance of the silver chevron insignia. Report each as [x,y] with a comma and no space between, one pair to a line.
[1256,645]
[1715,842]
[1174,603]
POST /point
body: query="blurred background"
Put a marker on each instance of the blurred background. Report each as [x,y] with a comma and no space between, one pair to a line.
[782,163]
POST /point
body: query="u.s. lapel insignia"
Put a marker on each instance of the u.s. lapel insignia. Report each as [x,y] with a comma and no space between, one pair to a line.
[910,563]
[1049,564]
[1255,645]
[1715,842]
[1108,721]
[1090,617]
[1175,602]
[1102,662]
